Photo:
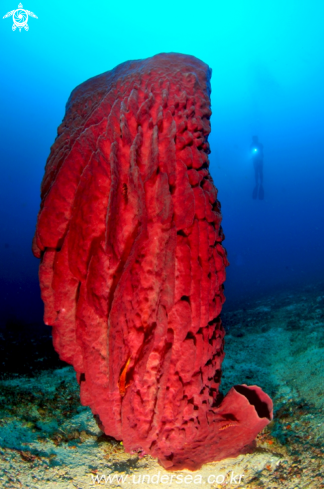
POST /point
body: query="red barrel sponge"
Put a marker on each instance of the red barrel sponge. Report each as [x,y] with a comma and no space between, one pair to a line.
[132,266]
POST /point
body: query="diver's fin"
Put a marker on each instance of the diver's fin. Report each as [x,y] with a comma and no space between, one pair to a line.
[261,192]
[255,192]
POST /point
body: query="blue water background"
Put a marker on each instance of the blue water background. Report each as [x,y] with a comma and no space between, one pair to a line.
[268,78]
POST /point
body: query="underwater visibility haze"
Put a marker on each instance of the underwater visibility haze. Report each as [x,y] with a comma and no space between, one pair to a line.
[267,80]
[267,99]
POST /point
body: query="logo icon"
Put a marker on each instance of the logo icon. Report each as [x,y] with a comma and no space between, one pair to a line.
[20,18]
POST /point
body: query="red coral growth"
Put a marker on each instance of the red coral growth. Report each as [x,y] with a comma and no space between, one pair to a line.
[132,266]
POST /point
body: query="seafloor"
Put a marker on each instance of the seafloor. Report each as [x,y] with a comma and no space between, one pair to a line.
[48,440]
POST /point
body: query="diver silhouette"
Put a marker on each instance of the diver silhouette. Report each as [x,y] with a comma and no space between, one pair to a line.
[257,158]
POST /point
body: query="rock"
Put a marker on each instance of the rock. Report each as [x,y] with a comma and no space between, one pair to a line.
[132,266]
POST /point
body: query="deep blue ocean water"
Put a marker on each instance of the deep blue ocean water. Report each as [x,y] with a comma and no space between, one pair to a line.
[268,77]
[267,59]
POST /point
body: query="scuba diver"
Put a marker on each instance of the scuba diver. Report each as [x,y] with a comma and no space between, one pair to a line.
[257,158]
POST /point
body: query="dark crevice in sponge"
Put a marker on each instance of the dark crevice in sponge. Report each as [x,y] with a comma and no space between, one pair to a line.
[261,407]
